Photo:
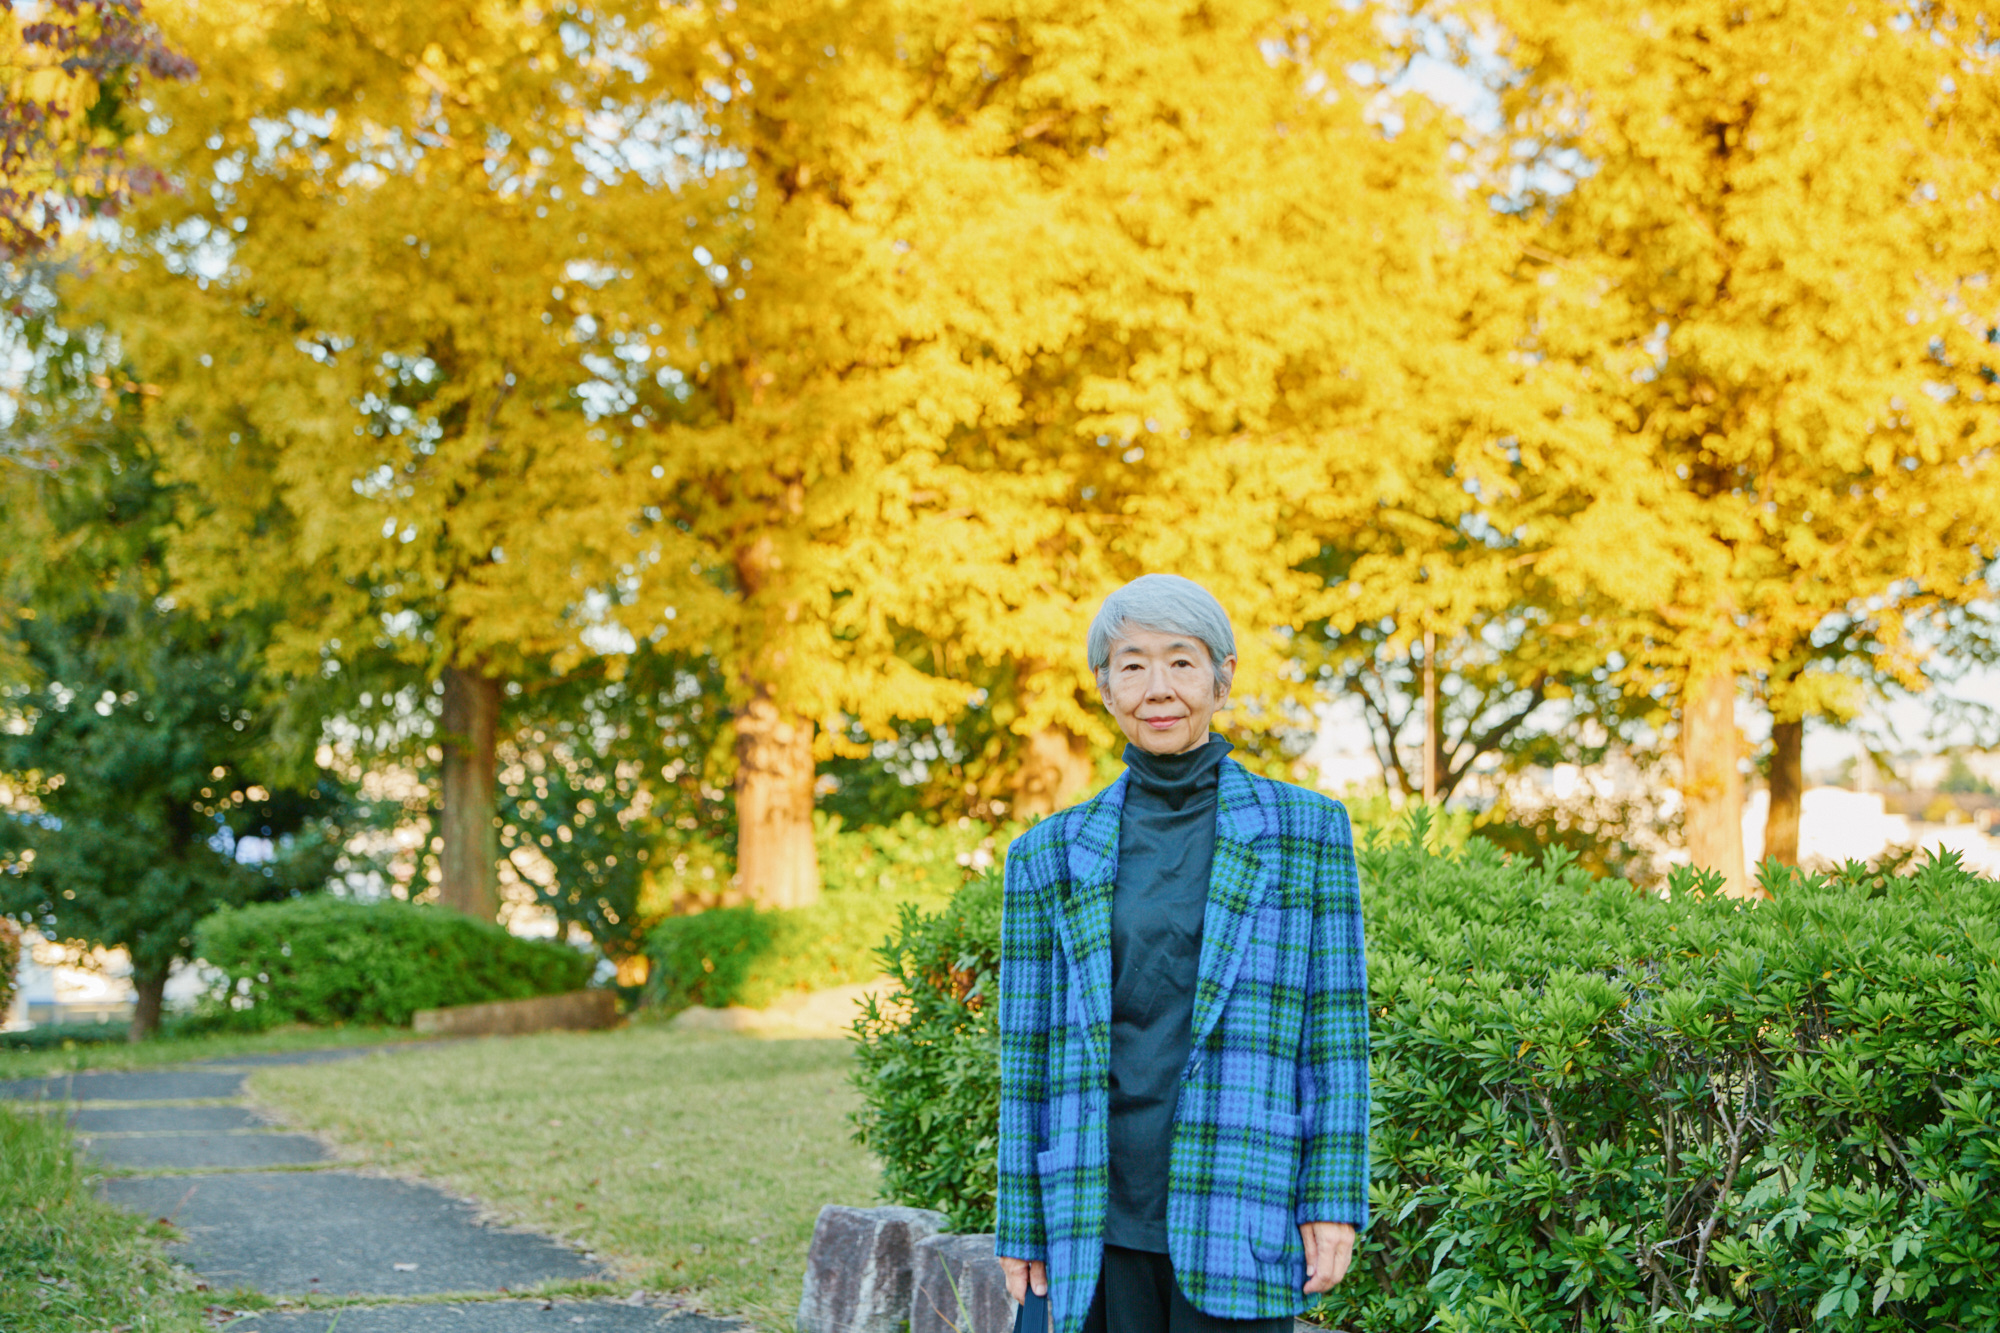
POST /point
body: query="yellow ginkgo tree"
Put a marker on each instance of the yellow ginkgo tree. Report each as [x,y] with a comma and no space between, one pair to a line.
[1766,240]
[388,309]
[1024,301]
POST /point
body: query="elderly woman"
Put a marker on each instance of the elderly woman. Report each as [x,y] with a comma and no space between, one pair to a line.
[1183,1014]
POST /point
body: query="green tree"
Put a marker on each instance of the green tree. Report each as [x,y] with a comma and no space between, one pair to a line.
[613,798]
[144,790]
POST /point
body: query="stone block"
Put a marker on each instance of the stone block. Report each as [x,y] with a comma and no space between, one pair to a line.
[858,1270]
[580,1011]
[959,1288]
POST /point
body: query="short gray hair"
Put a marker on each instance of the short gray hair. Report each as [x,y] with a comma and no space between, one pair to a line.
[1169,604]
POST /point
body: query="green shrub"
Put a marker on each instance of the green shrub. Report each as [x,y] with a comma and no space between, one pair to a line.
[736,955]
[1613,837]
[1377,817]
[703,959]
[54,1037]
[322,960]
[928,1062]
[910,859]
[1599,1109]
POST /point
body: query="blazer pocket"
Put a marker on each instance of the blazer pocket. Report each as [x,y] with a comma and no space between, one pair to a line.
[1271,1197]
[1052,1160]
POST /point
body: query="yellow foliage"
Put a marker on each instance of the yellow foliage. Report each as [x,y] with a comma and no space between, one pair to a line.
[855,345]
[1777,274]
[376,308]
[869,346]
[67,72]
[1040,299]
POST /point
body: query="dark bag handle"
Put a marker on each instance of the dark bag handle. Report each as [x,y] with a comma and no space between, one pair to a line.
[1034,1314]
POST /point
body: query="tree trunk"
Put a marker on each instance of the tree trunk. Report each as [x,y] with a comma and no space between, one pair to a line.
[776,863]
[1710,782]
[1781,827]
[151,983]
[1431,729]
[471,844]
[1054,768]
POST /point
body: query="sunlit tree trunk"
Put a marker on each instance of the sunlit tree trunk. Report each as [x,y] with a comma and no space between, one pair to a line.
[151,983]
[1431,729]
[776,863]
[1055,768]
[1781,828]
[470,727]
[1710,782]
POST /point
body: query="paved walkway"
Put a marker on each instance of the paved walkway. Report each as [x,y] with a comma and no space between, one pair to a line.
[271,1211]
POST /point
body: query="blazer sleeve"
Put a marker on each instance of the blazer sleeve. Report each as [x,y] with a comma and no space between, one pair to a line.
[1027,981]
[1333,1061]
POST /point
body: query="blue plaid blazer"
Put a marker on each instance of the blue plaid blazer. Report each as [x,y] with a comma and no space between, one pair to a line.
[1271,1128]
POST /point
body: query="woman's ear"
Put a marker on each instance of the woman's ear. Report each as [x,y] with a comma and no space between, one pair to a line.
[1228,679]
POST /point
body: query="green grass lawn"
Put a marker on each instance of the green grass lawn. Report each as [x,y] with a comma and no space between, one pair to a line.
[69,1263]
[177,1050]
[694,1163]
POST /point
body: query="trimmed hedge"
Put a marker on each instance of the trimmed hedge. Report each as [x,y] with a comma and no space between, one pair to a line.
[324,960]
[1597,1109]
[55,1037]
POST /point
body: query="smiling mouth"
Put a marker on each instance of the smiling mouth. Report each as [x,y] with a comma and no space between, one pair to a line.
[1162,723]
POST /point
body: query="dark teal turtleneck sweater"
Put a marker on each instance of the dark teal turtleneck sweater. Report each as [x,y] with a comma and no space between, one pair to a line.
[1166,846]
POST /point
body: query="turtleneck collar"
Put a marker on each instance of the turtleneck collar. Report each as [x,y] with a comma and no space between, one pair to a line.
[1178,778]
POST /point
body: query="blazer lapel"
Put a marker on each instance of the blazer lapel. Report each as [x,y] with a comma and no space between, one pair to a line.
[1237,883]
[1083,917]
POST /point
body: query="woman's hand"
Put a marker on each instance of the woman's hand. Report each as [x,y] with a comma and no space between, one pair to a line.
[1021,1272]
[1329,1250]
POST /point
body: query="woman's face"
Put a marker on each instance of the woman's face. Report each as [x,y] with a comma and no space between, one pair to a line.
[1162,689]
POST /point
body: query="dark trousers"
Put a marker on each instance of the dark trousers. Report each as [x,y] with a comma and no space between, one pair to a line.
[1137,1294]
